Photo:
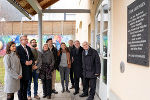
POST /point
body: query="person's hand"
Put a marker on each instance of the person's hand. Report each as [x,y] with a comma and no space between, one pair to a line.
[27,63]
[72,59]
[96,74]
[35,62]
[19,77]
[34,67]
[30,62]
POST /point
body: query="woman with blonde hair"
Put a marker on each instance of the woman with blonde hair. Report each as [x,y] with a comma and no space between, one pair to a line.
[13,71]
[64,63]
[46,71]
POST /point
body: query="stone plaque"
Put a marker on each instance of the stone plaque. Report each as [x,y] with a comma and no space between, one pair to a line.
[138,28]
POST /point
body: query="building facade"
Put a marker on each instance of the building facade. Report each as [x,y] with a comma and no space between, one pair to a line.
[105,28]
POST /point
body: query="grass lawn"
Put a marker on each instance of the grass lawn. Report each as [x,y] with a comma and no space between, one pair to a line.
[2,71]
[57,77]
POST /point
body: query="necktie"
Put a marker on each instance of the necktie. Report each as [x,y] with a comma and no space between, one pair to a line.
[26,52]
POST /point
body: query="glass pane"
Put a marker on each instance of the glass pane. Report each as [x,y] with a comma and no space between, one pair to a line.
[105,71]
[105,44]
[98,43]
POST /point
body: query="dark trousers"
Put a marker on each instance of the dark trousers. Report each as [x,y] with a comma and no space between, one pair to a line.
[72,76]
[47,87]
[35,79]
[76,80]
[89,83]
[10,96]
[22,93]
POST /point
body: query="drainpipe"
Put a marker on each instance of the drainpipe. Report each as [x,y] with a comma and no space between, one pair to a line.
[40,31]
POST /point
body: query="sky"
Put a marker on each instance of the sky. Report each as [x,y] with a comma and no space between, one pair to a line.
[10,13]
[65,4]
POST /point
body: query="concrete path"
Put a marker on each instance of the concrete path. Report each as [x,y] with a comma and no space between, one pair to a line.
[59,96]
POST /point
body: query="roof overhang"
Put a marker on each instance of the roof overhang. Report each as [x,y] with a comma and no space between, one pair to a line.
[31,7]
[66,11]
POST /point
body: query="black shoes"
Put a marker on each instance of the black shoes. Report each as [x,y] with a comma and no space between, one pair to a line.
[48,97]
[89,98]
[44,96]
[54,91]
[67,91]
[76,92]
[63,90]
[83,95]
[72,87]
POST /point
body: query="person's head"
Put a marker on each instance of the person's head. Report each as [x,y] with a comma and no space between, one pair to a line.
[11,46]
[77,44]
[63,46]
[23,40]
[70,42]
[85,45]
[33,43]
[45,47]
[50,42]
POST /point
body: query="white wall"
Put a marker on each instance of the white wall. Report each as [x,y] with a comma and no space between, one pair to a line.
[134,83]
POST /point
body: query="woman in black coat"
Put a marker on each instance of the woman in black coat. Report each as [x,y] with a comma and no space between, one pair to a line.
[77,64]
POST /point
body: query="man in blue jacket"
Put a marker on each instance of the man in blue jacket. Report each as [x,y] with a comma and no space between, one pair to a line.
[91,70]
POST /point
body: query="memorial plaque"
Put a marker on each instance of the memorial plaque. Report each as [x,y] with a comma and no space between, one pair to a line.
[138,32]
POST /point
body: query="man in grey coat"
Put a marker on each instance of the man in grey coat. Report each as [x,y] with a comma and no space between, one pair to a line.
[37,62]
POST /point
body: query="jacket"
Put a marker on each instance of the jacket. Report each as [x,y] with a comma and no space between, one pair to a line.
[54,50]
[39,60]
[91,63]
[12,70]
[68,58]
[26,70]
[47,65]
[77,62]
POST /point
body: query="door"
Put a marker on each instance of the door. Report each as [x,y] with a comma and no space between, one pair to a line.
[102,43]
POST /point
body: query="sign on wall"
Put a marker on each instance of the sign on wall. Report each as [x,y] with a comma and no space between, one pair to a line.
[138,32]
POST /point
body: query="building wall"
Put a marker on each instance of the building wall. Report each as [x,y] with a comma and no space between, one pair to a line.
[134,83]
[31,27]
[83,21]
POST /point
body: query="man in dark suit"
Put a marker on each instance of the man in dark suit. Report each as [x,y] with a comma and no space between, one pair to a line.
[91,70]
[77,64]
[71,46]
[26,59]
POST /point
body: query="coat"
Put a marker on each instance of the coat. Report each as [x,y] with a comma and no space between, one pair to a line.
[12,70]
[77,62]
[91,63]
[68,58]
[39,60]
[26,70]
[54,50]
[47,65]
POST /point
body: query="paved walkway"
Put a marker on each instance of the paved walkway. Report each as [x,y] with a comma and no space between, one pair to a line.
[59,96]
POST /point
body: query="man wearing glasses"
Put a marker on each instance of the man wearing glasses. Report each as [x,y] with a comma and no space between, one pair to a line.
[26,60]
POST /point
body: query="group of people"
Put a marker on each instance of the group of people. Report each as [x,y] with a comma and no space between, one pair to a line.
[22,63]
